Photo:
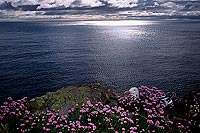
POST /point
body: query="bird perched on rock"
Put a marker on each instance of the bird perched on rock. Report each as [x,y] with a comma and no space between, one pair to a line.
[133,91]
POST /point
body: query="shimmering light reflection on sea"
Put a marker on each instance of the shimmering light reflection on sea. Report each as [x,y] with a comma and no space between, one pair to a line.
[37,57]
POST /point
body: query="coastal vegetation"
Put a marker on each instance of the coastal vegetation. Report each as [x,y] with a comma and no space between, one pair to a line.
[106,112]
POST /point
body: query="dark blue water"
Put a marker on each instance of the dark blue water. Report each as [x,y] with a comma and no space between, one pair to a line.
[37,57]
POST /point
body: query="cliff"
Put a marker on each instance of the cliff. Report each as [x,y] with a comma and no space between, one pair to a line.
[67,97]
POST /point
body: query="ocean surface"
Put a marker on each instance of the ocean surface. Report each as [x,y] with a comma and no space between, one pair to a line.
[42,56]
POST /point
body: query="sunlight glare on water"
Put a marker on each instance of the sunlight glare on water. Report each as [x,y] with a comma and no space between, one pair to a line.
[110,23]
[117,23]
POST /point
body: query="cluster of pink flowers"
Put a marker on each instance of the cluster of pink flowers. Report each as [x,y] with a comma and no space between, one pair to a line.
[14,112]
[145,113]
[153,112]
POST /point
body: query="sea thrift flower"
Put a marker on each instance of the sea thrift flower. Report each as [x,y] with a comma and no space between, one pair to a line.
[89,103]
[150,116]
[94,113]
[161,127]
[10,98]
[44,128]
[123,114]
[157,123]
[5,103]
[33,124]
[133,128]
[141,112]
[63,117]
[180,126]
[150,122]
[94,127]
[21,125]
[72,129]
[50,120]
[48,129]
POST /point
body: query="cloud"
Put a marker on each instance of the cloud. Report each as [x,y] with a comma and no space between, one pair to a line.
[87,3]
[6,5]
[192,6]
[169,5]
[122,3]
[55,3]
[172,5]
[120,8]
[45,4]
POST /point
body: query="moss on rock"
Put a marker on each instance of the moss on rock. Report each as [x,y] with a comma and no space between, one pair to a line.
[67,97]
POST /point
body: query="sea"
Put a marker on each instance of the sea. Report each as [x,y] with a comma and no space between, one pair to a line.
[41,56]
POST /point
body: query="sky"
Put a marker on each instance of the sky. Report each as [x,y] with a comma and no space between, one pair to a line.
[99,9]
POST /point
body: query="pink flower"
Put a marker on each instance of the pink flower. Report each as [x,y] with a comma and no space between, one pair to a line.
[170,122]
[10,98]
[54,122]
[101,111]
[82,111]
[27,112]
[107,119]
[108,111]
[21,125]
[89,103]
[123,114]
[94,127]
[19,113]
[157,123]
[150,111]
[150,122]
[78,123]
[33,124]
[12,113]
[92,124]
[1,117]
[180,126]
[50,120]
[44,128]
[133,128]
[63,118]
[161,127]
[66,126]
[48,129]
[105,109]
[94,113]
[150,116]
[5,103]
[57,126]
